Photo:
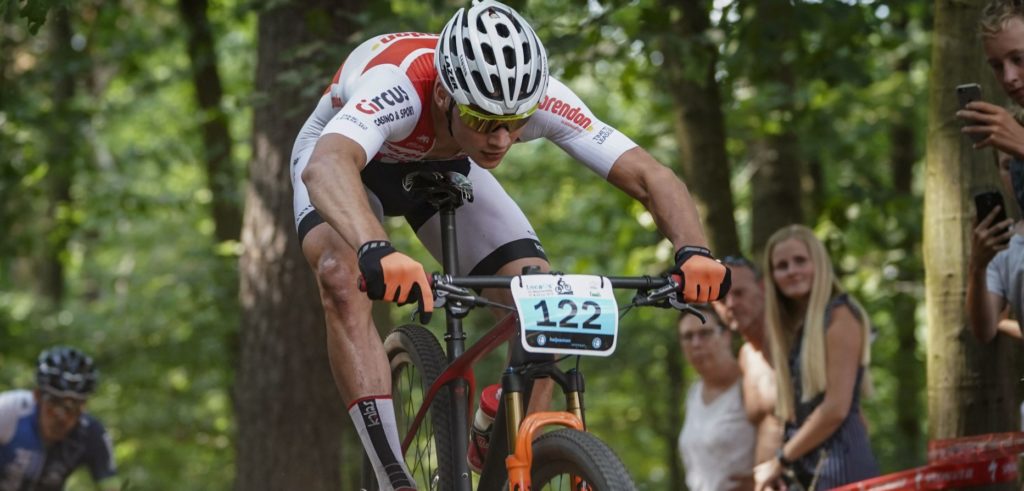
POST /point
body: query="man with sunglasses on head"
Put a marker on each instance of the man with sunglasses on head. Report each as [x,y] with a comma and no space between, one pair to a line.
[45,435]
[456,101]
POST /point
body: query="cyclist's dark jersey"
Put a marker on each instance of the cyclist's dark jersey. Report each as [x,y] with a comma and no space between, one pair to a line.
[27,465]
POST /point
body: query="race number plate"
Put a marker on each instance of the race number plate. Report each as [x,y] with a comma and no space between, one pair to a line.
[566,314]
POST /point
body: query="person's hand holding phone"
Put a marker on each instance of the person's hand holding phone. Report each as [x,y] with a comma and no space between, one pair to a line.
[988,124]
[992,231]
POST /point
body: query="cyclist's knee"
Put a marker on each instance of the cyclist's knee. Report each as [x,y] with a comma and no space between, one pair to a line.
[338,280]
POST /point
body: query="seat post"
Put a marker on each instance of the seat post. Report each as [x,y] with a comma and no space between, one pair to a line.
[449,246]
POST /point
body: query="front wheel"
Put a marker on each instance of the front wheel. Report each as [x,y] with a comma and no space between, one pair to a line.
[573,460]
[417,360]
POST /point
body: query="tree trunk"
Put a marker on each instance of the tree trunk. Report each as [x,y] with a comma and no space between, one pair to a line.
[776,192]
[676,402]
[903,155]
[971,387]
[220,172]
[689,76]
[290,417]
[61,155]
[776,199]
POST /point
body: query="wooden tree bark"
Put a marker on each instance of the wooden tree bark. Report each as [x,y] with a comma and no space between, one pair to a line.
[220,173]
[689,76]
[971,387]
[777,180]
[290,418]
[676,403]
[61,158]
[910,381]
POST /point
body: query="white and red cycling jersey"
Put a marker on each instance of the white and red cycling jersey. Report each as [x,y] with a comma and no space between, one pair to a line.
[381,99]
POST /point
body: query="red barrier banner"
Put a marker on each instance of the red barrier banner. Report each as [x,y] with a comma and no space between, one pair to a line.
[979,447]
[946,475]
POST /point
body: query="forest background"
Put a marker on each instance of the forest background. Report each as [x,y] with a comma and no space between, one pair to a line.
[146,210]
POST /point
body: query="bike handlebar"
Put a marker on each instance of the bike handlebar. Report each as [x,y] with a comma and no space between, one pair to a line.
[659,291]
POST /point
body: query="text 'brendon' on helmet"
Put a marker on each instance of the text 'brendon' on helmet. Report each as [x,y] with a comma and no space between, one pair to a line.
[489,56]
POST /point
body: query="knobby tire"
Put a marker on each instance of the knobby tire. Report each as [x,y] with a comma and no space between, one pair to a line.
[560,455]
[416,360]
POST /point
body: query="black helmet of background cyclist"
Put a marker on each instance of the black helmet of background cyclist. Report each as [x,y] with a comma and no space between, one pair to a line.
[66,372]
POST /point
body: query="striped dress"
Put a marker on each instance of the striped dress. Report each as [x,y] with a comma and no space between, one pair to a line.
[846,455]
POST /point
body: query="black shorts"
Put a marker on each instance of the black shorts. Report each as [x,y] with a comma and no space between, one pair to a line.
[492,230]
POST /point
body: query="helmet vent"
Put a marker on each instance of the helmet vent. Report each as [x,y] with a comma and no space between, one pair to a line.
[496,83]
[468,49]
[510,56]
[462,78]
[503,30]
[526,87]
[488,53]
[526,53]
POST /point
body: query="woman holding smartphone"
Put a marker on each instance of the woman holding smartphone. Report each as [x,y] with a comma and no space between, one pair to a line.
[820,347]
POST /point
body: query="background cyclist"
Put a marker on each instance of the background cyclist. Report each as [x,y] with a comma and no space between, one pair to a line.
[410,101]
[45,433]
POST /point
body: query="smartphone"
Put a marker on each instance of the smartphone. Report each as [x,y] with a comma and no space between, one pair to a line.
[986,201]
[968,93]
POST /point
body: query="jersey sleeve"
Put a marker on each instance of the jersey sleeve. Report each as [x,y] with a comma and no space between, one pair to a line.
[382,106]
[563,118]
[100,451]
[14,405]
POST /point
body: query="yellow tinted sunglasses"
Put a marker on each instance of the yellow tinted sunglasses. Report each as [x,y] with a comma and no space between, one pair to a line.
[486,123]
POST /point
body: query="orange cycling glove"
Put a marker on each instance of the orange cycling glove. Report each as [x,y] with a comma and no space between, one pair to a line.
[394,277]
[704,278]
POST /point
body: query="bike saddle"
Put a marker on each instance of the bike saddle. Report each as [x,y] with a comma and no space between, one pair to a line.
[440,189]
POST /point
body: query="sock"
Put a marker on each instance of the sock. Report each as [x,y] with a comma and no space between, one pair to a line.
[374,417]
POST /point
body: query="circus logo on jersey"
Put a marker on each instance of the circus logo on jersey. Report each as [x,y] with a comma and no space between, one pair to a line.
[388,98]
[568,112]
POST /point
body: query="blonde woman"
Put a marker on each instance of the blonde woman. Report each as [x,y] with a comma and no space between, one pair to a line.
[819,339]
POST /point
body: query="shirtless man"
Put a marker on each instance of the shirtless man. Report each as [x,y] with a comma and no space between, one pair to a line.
[743,310]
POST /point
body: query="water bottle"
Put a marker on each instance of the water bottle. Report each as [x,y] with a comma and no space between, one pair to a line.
[480,434]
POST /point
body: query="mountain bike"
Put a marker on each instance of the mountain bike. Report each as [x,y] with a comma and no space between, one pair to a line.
[556,317]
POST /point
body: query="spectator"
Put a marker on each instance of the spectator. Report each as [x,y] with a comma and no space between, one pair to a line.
[819,338]
[717,440]
[744,308]
[997,250]
[45,433]
[1002,32]
[994,267]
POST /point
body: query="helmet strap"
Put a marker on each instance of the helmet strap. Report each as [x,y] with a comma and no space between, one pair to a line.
[448,115]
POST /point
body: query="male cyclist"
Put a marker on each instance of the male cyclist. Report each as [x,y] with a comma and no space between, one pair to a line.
[458,101]
[45,434]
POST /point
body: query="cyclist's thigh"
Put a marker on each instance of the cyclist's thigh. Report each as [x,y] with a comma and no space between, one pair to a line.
[307,218]
[492,231]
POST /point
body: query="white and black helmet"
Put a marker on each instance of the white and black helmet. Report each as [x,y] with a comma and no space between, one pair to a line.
[490,57]
[66,372]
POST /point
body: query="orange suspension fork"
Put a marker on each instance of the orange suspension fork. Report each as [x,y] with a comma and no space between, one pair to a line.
[519,463]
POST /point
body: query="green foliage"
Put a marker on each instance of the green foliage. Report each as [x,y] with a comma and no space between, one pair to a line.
[154,298]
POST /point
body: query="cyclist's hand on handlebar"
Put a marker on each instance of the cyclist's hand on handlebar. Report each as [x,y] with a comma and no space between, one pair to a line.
[392,276]
[704,278]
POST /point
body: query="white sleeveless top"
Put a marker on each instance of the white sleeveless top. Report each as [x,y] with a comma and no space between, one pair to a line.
[717,440]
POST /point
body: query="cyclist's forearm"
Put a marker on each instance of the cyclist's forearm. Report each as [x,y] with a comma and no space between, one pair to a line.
[336,190]
[668,200]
